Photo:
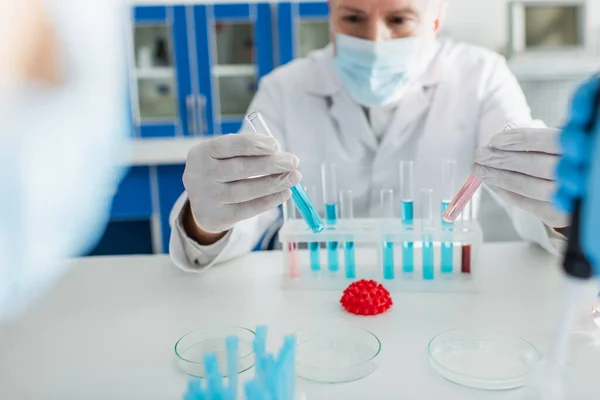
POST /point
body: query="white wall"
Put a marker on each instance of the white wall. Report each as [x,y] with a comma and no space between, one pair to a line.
[485,22]
[482,22]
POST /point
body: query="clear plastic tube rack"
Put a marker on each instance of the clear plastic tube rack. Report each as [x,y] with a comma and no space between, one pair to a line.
[373,243]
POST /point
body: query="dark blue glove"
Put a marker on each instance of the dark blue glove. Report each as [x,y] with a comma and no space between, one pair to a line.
[578,172]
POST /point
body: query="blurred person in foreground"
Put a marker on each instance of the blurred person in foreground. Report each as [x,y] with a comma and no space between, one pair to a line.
[62,136]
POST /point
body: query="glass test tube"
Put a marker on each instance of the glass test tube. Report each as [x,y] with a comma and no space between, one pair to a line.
[427,227]
[299,196]
[448,184]
[467,216]
[466,192]
[314,248]
[329,180]
[347,211]
[462,197]
[289,214]
[387,212]
[407,212]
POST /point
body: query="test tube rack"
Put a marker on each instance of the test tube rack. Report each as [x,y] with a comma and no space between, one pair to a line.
[369,237]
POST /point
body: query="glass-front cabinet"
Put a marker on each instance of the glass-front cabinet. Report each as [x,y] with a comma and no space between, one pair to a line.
[302,27]
[160,81]
[235,48]
[196,67]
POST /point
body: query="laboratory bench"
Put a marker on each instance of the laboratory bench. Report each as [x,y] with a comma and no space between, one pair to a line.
[193,70]
[107,329]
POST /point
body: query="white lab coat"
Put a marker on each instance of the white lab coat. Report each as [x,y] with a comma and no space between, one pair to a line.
[465,96]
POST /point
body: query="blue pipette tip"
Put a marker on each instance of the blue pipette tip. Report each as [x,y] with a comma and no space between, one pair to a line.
[254,391]
[213,376]
[195,386]
[231,344]
[261,336]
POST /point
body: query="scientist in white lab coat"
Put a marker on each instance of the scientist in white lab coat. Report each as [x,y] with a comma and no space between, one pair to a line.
[384,90]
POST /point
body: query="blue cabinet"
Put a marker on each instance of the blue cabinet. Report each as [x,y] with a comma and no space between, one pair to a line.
[235,48]
[163,102]
[301,28]
[130,228]
[133,200]
[170,187]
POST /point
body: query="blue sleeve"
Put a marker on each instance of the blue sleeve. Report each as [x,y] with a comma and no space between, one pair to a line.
[591,207]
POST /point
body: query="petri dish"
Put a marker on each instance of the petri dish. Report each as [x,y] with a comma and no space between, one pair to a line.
[191,348]
[483,358]
[336,353]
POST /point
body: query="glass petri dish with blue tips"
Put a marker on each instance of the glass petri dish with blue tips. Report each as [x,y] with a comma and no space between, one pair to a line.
[191,348]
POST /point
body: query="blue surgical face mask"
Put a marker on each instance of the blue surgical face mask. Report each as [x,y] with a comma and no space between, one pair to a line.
[60,150]
[375,72]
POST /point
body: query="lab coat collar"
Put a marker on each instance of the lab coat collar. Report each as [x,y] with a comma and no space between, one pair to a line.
[325,82]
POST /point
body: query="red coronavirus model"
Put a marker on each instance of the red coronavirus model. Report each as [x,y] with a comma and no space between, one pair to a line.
[366,298]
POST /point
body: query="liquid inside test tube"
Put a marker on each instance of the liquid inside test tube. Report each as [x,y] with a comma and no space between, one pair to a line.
[387,213]
[427,228]
[314,248]
[407,213]
[466,217]
[347,211]
[462,197]
[289,214]
[329,181]
[307,210]
[466,192]
[448,187]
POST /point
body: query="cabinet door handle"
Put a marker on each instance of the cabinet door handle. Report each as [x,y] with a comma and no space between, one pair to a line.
[191,114]
[201,110]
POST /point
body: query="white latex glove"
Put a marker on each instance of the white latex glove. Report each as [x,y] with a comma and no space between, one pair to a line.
[518,164]
[235,177]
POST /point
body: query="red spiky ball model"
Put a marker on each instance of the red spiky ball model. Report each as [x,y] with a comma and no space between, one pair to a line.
[366,297]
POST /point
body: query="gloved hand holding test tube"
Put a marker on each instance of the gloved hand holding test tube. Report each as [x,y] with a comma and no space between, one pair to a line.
[465,193]
[258,125]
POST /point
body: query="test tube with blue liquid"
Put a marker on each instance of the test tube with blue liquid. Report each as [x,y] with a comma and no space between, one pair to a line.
[289,213]
[448,187]
[427,232]
[329,180]
[314,248]
[387,213]
[347,211]
[312,218]
[407,212]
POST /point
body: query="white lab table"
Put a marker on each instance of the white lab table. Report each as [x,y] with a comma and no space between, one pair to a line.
[107,329]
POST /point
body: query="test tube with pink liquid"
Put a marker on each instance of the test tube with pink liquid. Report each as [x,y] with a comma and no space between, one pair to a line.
[465,193]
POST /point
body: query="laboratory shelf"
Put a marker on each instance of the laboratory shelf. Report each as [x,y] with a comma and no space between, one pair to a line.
[154,73]
[162,151]
[234,70]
